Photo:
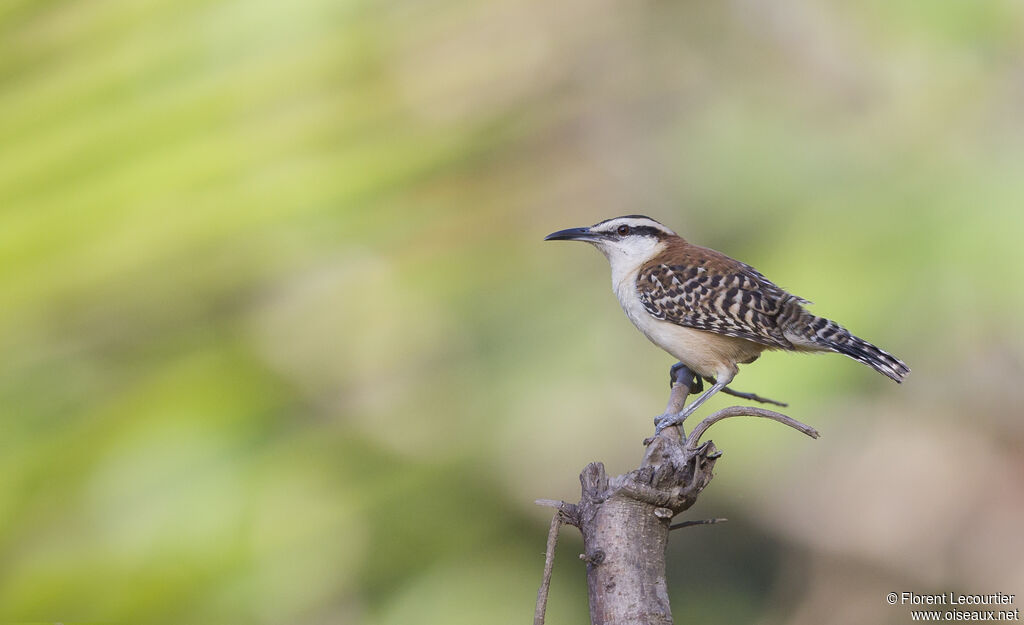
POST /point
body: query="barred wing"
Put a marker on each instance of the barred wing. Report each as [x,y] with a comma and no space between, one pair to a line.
[731,298]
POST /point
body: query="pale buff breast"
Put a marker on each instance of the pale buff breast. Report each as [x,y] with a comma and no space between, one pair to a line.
[705,353]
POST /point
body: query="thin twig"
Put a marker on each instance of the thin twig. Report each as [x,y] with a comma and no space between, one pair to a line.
[753,397]
[549,563]
[700,522]
[746,411]
[550,503]
[676,402]
[568,511]
[677,397]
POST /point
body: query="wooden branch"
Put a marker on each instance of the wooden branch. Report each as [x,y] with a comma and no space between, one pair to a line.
[625,520]
[657,447]
[747,411]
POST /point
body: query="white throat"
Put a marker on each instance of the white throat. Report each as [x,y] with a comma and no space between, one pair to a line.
[626,260]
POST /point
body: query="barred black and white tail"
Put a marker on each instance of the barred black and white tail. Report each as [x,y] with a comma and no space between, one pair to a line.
[874,357]
[821,333]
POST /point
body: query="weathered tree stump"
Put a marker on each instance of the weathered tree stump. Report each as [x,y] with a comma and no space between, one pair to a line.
[625,520]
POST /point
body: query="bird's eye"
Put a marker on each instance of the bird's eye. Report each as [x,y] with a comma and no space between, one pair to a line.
[623,231]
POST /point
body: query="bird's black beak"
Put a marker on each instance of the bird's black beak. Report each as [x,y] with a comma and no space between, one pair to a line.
[574,234]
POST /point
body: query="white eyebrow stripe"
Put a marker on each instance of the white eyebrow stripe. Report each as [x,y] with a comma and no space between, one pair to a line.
[609,225]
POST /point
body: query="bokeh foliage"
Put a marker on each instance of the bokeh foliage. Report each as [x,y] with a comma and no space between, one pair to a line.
[281,342]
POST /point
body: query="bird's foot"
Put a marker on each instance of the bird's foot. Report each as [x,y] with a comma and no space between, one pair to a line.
[667,420]
[680,373]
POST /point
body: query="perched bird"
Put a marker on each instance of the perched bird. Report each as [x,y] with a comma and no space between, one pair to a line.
[710,311]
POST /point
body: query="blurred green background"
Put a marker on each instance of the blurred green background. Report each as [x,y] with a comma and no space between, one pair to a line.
[281,342]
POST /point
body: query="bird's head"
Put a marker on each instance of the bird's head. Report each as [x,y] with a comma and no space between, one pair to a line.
[628,240]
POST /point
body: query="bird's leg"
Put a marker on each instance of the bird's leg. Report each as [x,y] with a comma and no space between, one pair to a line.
[679,375]
[678,418]
[753,397]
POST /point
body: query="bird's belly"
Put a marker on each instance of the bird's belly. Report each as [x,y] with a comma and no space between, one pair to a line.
[705,353]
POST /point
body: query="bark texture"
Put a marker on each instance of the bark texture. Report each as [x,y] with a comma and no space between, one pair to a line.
[625,524]
[625,520]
